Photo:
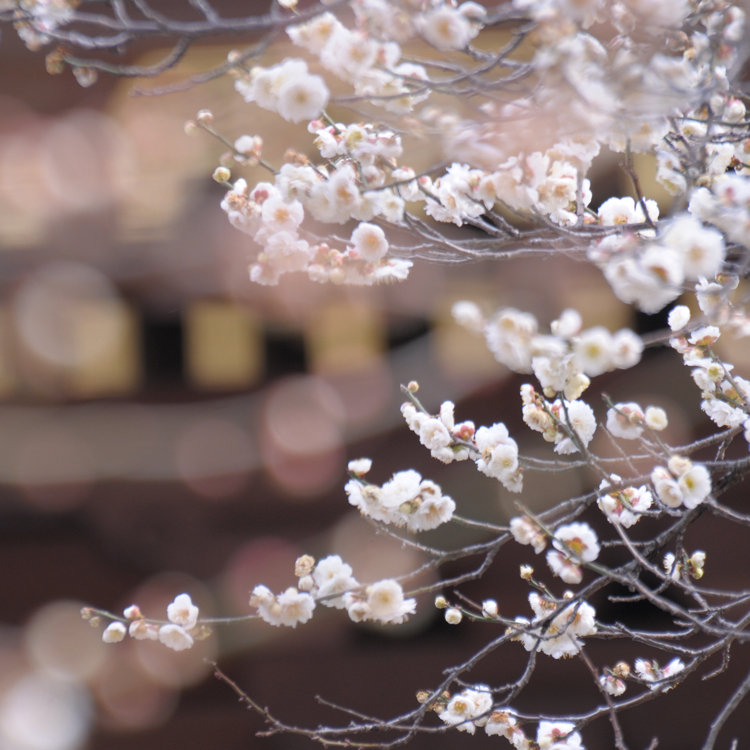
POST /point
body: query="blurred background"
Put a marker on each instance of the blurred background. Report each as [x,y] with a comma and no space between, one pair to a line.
[167,427]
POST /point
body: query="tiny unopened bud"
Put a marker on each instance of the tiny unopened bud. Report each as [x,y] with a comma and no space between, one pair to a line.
[191,127]
[359,466]
[412,386]
[54,62]
[306,583]
[453,615]
[85,76]
[527,572]
[304,565]
[696,562]
[133,612]
[205,116]
[621,669]
[86,613]
[441,602]
[489,608]
[202,632]
[423,696]
[221,174]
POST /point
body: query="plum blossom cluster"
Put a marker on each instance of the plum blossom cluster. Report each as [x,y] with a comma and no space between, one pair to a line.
[178,633]
[494,451]
[548,183]
[650,270]
[721,139]
[557,626]
[628,420]
[361,178]
[626,505]
[404,500]
[492,448]
[570,425]
[287,88]
[725,397]
[658,677]
[691,566]
[273,214]
[725,203]
[681,482]
[330,582]
[38,18]
[573,544]
[563,360]
[472,708]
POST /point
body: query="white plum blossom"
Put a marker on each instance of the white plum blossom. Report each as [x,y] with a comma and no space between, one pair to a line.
[574,543]
[175,637]
[405,500]
[666,487]
[114,632]
[287,88]
[468,315]
[503,723]
[626,211]
[143,631]
[382,601]
[468,709]
[558,735]
[526,531]
[612,684]
[578,416]
[626,420]
[561,636]
[183,612]
[683,483]
[624,506]
[499,456]
[315,33]
[679,317]
[701,248]
[369,241]
[564,567]
[695,485]
[447,28]
[577,540]
[289,608]
[659,678]
[332,576]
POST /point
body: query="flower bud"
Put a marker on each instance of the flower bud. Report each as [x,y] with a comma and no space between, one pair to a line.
[221,174]
[621,669]
[453,615]
[489,608]
[304,565]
